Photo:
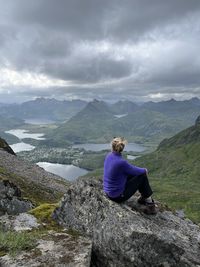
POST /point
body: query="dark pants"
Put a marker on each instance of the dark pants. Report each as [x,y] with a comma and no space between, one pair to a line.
[140,183]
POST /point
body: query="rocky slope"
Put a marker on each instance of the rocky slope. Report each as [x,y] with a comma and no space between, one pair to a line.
[122,236]
[34,182]
[34,239]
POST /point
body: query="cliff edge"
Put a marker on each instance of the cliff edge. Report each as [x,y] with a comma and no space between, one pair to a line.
[4,145]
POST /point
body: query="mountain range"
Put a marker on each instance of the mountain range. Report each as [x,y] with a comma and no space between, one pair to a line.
[43,108]
[150,122]
[98,121]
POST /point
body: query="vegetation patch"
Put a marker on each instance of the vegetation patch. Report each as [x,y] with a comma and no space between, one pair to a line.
[44,213]
[73,232]
[14,242]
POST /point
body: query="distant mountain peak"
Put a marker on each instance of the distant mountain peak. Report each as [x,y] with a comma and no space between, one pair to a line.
[172,100]
[97,105]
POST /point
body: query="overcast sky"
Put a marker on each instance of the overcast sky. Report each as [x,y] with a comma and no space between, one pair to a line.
[107,49]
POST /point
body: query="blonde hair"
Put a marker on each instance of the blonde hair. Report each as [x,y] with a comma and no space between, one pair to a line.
[118,144]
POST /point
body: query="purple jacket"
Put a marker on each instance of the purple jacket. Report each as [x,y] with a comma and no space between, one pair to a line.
[116,170]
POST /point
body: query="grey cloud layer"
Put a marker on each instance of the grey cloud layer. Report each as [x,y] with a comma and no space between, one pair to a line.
[105,46]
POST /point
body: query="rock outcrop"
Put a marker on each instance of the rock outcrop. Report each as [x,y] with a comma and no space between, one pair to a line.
[11,201]
[4,145]
[122,236]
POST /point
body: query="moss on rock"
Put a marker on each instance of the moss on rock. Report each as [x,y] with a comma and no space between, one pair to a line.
[44,213]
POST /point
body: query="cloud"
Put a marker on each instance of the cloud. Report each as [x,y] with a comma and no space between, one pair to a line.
[100,48]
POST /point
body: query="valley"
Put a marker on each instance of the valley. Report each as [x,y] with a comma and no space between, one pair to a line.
[82,141]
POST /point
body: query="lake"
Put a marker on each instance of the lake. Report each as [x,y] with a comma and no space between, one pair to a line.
[36,121]
[98,147]
[20,133]
[131,157]
[69,172]
[120,116]
[18,147]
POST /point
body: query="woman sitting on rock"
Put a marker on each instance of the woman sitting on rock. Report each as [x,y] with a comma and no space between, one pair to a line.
[122,180]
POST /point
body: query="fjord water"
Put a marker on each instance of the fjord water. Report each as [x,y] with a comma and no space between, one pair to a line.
[39,121]
[69,172]
[18,147]
[20,133]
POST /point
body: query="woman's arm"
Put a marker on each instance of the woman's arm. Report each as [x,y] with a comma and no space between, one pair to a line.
[130,169]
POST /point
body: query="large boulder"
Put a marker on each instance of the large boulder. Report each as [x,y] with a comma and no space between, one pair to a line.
[123,236]
[11,201]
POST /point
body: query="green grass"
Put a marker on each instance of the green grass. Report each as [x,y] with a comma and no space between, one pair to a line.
[14,242]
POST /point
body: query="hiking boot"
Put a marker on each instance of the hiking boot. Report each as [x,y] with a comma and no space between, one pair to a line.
[141,200]
[148,207]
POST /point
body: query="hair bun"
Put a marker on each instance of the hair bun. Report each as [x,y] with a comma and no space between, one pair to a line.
[118,144]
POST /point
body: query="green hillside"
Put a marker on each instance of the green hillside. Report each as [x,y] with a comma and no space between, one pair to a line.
[174,171]
[90,124]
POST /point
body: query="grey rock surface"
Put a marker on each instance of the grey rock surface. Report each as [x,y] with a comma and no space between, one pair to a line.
[53,250]
[10,199]
[21,222]
[123,236]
